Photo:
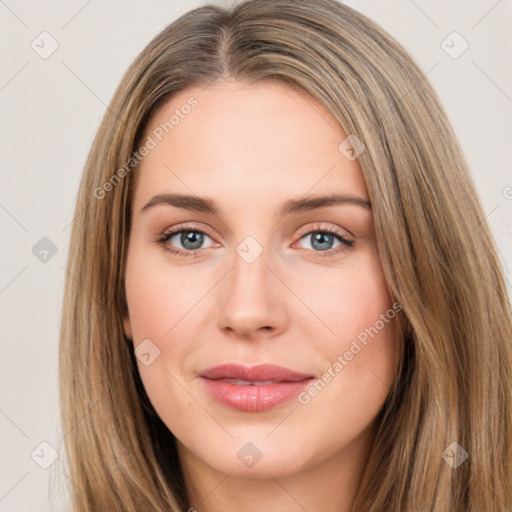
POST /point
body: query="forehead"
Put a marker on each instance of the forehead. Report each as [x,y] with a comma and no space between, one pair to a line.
[232,139]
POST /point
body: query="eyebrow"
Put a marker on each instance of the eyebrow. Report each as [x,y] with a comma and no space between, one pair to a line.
[207,205]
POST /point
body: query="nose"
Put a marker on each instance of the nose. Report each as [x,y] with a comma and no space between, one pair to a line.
[251,299]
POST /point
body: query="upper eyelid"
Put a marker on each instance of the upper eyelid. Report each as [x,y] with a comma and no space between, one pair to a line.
[174,231]
[318,227]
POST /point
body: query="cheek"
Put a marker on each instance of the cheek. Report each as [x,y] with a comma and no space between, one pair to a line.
[160,300]
[359,356]
[348,300]
[166,305]
[158,297]
[359,349]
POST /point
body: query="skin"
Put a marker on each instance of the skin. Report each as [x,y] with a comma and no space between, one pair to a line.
[250,148]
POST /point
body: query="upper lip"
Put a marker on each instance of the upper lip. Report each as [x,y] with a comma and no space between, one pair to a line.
[261,372]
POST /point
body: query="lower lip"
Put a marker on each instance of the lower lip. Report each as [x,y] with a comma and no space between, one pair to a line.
[254,398]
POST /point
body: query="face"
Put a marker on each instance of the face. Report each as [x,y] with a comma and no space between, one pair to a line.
[262,321]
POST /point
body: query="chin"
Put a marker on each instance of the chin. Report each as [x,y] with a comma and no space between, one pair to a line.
[255,456]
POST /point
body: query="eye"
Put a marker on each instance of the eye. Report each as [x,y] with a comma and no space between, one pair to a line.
[190,240]
[187,240]
[324,240]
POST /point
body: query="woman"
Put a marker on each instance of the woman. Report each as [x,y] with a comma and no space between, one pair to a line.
[215,354]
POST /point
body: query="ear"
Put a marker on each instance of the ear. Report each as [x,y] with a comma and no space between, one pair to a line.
[127,325]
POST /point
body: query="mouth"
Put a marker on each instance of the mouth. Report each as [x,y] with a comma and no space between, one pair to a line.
[253,389]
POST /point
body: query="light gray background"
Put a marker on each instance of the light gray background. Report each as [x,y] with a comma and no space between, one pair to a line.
[50,110]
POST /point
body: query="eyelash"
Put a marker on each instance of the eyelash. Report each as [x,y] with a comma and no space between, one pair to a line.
[164,237]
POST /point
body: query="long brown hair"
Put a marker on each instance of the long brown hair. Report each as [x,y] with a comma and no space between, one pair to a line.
[455,378]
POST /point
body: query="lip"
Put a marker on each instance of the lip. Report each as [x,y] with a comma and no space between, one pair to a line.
[253,389]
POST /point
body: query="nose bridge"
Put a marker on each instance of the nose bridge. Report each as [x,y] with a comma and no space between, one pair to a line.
[249,277]
[250,265]
[250,299]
